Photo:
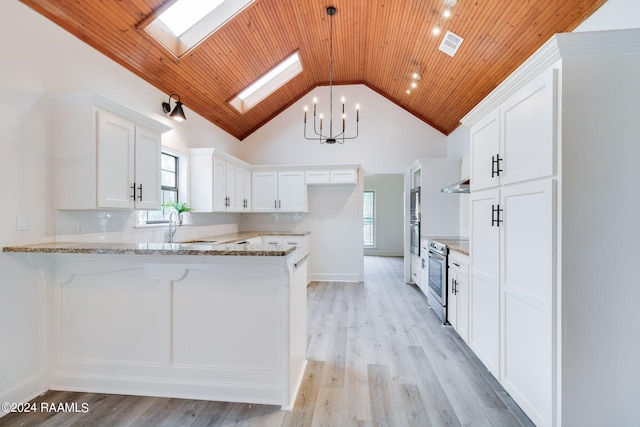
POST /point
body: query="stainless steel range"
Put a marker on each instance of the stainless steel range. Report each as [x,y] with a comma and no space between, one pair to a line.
[437,294]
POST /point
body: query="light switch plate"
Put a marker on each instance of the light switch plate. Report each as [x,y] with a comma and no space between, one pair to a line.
[22,222]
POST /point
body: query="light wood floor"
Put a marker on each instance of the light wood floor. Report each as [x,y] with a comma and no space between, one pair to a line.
[377,357]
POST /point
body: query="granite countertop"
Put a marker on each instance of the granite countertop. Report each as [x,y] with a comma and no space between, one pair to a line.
[454,243]
[209,246]
[243,235]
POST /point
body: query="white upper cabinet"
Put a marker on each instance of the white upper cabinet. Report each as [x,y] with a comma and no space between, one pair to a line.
[337,176]
[116,161]
[529,130]
[103,159]
[148,153]
[283,191]
[292,192]
[485,152]
[218,182]
[516,142]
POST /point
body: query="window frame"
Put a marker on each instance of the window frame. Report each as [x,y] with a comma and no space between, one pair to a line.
[372,218]
[164,188]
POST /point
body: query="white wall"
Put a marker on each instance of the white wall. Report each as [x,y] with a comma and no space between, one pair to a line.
[389,204]
[613,15]
[390,138]
[458,146]
[39,59]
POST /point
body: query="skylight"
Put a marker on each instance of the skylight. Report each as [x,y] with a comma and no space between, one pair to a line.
[184,14]
[186,23]
[268,83]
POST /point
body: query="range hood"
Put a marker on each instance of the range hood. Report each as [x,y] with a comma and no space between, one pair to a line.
[458,187]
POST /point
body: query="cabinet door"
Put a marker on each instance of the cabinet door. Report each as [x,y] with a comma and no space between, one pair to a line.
[230,188]
[529,130]
[527,296]
[344,176]
[147,169]
[462,294]
[201,175]
[416,263]
[292,192]
[484,295]
[317,177]
[219,185]
[239,190]
[264,191]
[246,202]
[452,299]
[116,154]
[485,149]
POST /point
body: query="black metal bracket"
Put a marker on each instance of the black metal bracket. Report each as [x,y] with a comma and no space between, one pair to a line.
[495,165]
[496,212]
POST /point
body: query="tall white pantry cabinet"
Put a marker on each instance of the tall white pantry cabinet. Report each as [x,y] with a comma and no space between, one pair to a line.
[555,230]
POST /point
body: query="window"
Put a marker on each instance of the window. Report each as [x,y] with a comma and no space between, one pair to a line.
[369,215]
[268,83]
[185,23]
[169,173]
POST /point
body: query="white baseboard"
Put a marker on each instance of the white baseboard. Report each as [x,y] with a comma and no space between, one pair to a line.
[335,277]
[23,392]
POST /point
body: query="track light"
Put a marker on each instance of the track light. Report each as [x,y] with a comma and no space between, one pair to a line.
[178,113]
[415,78]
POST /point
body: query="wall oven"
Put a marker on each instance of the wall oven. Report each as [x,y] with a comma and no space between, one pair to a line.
[437,295]
[414,231]
[414,203]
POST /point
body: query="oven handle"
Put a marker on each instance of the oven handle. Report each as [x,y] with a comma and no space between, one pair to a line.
[436,255]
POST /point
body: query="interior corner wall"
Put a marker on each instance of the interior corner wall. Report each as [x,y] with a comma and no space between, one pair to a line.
[389,215]
[458,146]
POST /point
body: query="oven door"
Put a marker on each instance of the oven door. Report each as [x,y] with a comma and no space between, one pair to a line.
[414,231]
[438,277]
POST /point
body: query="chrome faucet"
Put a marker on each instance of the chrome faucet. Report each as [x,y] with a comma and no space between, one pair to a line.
[174,222]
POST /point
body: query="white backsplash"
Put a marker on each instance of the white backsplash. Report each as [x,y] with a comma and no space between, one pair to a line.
[275,222]
[119,226]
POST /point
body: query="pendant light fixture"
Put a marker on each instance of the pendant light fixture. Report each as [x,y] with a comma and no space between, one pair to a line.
[330,138]
[178,113]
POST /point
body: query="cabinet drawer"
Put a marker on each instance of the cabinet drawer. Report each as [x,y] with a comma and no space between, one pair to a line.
[459,262]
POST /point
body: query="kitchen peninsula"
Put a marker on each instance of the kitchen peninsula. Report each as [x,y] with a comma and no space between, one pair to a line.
[200,320]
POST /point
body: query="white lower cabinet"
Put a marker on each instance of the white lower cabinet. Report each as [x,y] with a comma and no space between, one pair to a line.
[511,289]
[416,266]
[458,293]
[484,295]
[423,276]
[527,283]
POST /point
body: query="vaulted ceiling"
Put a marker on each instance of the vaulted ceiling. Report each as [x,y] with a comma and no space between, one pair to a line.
[378,43]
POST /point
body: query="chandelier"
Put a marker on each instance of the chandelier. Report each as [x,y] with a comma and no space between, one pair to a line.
[329,138]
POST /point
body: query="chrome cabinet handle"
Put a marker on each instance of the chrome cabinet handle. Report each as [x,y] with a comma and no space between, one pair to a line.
[140,195]
[133,190]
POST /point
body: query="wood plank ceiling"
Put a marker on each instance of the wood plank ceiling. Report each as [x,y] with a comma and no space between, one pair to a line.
[378,43]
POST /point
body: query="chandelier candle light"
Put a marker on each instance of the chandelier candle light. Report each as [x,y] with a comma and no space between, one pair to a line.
[330,138]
